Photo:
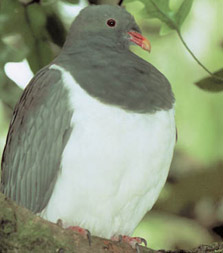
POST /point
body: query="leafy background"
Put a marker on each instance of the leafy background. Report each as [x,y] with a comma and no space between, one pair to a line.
[190,208]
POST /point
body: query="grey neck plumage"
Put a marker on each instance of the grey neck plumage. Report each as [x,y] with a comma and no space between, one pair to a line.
[117,77]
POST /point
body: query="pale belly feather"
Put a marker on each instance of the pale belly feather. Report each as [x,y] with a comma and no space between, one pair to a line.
[113,167]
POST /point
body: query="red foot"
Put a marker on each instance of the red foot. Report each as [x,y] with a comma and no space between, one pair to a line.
[134,242]
[81,231]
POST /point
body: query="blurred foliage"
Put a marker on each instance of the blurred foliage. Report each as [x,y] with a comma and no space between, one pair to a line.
[167,231]
[160,9]
[72,1]
[211,83]
[28,30]
[191,205]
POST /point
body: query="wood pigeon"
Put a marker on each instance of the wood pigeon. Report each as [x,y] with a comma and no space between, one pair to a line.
[92,136]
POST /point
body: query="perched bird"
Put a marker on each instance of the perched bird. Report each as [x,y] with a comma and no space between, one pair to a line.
[92,137]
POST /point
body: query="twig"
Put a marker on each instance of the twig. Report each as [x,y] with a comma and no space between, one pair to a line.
[195,58]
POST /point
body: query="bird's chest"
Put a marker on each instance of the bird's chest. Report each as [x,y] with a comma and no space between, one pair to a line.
[108,142]
[112,159]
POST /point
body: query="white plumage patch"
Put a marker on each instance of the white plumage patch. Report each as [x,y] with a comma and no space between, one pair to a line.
[113,167]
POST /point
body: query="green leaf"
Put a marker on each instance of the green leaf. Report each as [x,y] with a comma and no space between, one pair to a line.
[165,29]
[48,2]
[183,11]
[160,9]
[40,55]
[11,17]
[12,48]
[211,83]
[36,19]
[37,38]
[71,1]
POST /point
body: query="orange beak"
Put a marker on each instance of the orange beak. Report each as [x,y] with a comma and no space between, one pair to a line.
[139,40]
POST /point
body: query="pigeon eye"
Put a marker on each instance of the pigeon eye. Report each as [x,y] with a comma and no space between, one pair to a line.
[111,22]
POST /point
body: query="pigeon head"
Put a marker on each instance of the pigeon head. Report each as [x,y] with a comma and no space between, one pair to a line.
[105,26]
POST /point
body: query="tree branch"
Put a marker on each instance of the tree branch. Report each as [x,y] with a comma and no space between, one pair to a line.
[22,231]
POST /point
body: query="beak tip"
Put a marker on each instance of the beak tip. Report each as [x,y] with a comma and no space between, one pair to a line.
[141,41]
[146,45]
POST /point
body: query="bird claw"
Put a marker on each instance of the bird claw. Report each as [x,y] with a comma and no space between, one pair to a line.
[143,241]
[89,237]
[134,242]
[137,248]
[82,231]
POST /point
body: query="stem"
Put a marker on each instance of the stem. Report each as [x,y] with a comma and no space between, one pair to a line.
[196,59]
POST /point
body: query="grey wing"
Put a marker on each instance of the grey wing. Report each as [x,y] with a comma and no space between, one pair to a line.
[38,133]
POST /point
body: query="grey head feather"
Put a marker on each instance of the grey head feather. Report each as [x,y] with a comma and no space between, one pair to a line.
[90,28]
[99,59]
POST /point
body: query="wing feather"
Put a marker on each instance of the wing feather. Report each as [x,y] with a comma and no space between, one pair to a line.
[38,133]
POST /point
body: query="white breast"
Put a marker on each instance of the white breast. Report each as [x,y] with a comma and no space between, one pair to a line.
[114,165]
